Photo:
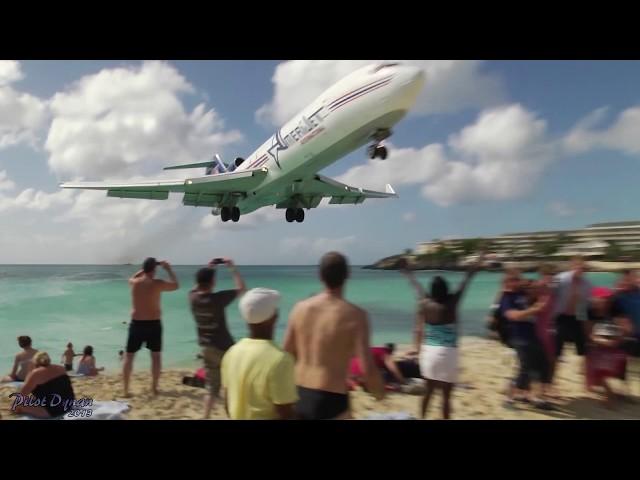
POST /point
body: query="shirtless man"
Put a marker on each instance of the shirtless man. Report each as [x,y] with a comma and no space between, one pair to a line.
[23,362]
[145,326]
[324,333]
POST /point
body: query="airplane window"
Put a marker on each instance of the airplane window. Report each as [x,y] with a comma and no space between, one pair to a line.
[384,65]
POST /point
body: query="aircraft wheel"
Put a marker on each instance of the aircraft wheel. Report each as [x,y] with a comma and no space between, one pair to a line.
[235,214]
[290,214]
[381,152]
[225,214]
[299,215]
[371,151]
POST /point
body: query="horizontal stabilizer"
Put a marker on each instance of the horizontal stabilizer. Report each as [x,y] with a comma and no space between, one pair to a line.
[191,165]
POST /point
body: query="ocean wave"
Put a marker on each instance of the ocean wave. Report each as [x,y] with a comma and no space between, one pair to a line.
[92,276]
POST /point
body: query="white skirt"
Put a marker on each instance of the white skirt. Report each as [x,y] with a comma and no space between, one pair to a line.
[439,363]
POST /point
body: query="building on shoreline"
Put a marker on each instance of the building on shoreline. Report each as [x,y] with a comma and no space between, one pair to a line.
[597,241]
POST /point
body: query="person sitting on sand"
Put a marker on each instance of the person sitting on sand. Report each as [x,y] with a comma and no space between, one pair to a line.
[50,386]
[208,309]
[87,365]
[146,326]
[257,375]
[383,359]
[324,333]
[532,359]
[23,362]
[67,357]
[605,356]
[436,335]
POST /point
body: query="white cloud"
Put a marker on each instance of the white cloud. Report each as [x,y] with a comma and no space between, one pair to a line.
[9,72]
[451,85]
[123,122]
[22,115]
[130,120]
[5,182]
[315,246]
[500,156]
[561,209]
[623,134]
[409,217]
[30,199]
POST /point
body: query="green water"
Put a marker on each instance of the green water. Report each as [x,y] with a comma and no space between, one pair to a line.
[87,305]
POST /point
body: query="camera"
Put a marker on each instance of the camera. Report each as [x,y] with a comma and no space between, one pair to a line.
[217,261]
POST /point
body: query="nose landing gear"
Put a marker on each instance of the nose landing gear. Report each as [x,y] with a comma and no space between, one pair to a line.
[378,150]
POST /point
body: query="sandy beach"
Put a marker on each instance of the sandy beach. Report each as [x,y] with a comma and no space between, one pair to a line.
[486,367]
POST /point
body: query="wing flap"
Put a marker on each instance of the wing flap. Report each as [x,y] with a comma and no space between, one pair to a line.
[145,195]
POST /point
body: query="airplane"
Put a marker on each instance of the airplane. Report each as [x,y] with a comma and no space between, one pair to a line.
[283,171]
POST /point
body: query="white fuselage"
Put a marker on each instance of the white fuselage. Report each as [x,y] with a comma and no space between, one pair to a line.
[340,120]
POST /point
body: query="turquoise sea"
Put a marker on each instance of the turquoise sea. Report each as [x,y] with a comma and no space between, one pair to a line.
[87,305]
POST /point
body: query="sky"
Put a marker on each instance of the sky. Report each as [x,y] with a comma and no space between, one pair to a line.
[490,147]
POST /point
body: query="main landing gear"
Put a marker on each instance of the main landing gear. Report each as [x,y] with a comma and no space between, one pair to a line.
[230,213]
[378,150]
[294,214]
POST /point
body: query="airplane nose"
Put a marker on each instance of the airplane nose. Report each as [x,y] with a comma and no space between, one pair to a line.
[410,83]
[415,76]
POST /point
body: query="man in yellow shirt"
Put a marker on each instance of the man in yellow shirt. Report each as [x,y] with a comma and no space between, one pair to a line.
[257,376]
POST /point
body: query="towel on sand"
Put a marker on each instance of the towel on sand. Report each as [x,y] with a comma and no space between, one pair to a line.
[16,385]
[390,416]
[107,410]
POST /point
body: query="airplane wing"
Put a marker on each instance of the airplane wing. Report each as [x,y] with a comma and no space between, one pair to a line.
[309,193]
[208,190]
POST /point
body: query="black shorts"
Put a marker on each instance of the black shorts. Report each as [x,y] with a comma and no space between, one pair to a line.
[409,368]
[144,331]
[320,405]
[533,363]
[68,367]
[570,329]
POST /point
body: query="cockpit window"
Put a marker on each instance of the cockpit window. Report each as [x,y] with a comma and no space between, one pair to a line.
[384,65]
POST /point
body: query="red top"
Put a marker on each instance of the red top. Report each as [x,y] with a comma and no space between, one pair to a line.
[378,354]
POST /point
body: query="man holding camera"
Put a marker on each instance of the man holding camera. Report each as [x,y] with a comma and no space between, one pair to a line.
[145,326]
[208,308]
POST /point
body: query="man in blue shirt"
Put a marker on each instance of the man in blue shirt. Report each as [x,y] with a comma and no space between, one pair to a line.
[533,363]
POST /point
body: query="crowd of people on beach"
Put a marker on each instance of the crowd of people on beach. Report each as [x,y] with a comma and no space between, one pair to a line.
[327,352]
[536,318]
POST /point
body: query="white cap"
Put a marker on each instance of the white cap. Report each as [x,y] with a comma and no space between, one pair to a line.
[259,305]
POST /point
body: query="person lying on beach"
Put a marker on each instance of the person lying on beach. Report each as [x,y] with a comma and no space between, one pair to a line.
[436,335]
[208,309]
[23,362]
[324,333]
[49,385]
[67,357]
[146,326]
[87,365]
[384,361]
[257,375]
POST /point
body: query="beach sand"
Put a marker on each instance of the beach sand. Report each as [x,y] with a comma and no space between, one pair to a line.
[486,367]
